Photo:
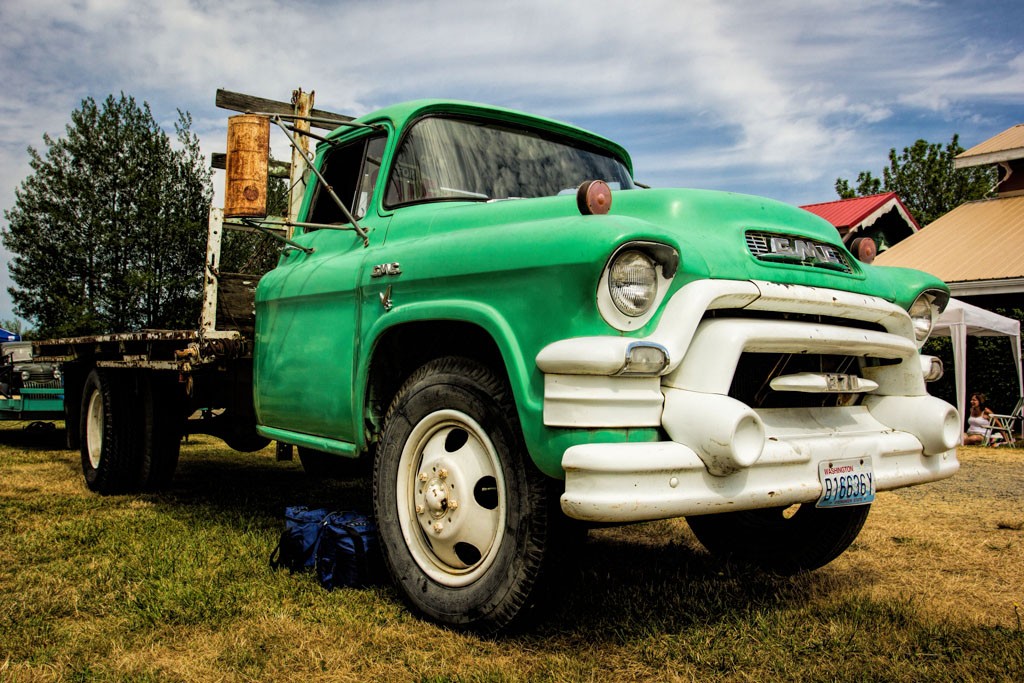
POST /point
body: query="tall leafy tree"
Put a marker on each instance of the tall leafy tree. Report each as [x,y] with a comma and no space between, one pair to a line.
[924,178]
[108,231]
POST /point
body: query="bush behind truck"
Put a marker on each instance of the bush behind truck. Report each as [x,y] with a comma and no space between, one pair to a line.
[522,338]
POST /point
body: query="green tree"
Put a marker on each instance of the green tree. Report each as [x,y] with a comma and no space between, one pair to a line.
[924,178]
[108,231]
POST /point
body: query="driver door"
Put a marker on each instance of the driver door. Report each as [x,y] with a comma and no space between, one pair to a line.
[307,312]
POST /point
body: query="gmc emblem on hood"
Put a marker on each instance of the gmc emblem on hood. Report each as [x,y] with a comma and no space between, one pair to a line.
[796,250]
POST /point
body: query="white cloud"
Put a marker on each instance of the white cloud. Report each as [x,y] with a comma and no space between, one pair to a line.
[779,97]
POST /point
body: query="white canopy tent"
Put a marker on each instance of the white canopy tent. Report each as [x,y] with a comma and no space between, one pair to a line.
[961,319]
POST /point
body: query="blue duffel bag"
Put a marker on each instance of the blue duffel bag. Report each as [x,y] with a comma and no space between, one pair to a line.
[348,553]
[341,546]
[296,551]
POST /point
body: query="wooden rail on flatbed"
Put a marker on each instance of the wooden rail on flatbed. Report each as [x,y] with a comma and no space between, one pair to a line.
[154,349]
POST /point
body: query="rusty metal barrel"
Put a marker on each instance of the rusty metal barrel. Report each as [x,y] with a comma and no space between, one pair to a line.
[245,189]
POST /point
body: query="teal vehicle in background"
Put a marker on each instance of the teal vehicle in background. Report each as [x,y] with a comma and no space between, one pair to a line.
[525,341]
[29,391]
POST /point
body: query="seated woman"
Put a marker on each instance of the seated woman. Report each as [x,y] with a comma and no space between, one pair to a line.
[979,421]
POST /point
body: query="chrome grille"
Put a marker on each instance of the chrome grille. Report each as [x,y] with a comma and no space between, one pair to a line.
[778,248]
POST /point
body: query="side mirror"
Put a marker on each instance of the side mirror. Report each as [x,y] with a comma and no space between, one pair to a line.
[248,155]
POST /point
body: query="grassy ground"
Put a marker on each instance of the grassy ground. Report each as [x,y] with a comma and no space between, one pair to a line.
[176,587]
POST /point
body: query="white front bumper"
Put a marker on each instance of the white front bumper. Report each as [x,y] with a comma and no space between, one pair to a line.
[642,481]
[725,455]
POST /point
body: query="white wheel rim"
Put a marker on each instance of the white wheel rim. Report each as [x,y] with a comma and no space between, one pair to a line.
[94,429]
[451,498]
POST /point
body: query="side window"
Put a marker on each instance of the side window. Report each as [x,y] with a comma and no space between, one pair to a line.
[351,170]
[371,171]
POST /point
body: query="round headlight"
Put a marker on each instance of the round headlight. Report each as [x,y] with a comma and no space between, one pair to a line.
[633,283]
[923,313]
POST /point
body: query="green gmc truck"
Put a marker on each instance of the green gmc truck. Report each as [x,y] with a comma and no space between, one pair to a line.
[524,340]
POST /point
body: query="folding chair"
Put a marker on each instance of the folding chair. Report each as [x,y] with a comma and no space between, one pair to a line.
[1007,430]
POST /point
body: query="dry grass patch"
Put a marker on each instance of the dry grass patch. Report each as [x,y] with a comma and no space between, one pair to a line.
[953,548]
[176,587]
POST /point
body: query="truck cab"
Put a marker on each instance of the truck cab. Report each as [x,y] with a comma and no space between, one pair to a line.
[522,338]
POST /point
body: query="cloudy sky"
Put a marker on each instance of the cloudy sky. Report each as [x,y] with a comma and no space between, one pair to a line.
[775,98]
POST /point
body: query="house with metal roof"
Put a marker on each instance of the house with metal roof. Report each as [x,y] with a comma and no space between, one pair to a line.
[978,247]
[1006,151]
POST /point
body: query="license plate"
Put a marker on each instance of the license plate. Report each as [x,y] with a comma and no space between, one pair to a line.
[846,482]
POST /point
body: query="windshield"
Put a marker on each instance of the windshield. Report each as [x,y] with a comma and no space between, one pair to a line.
[453,159]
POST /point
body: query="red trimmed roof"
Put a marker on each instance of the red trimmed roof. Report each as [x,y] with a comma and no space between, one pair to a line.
[850,213]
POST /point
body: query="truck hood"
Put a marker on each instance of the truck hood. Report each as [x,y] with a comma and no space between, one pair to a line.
[708,228]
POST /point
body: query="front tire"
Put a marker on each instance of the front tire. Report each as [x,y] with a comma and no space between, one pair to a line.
[779,540]
[463,514]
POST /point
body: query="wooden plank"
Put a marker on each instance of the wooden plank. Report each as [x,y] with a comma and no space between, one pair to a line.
[303,103]
[241,102]
[155,349]
[214,236]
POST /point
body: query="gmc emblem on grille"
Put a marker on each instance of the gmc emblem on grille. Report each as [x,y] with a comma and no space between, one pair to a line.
[804,250]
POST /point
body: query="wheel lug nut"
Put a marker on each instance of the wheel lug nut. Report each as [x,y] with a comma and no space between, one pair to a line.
[423,476]
[443,474]
[453,505]
[419,509]
[438,528]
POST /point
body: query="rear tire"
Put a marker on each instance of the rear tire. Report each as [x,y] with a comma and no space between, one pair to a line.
[779,542]
[162,431]
[111,433]
[464,516]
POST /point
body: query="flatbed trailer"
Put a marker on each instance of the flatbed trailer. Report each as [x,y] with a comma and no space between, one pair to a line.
[183,372]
